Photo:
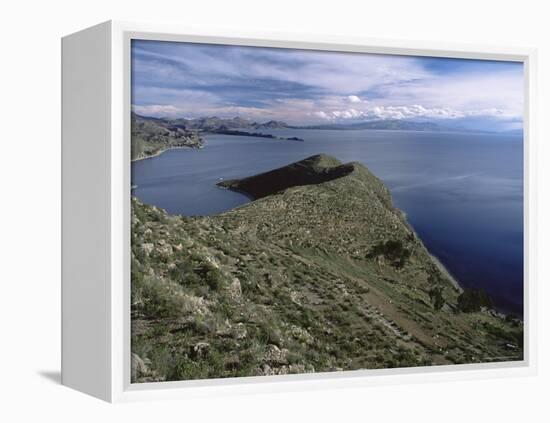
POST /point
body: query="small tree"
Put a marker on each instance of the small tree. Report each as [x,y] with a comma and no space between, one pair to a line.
[436,296]
[392,250]
[471,300]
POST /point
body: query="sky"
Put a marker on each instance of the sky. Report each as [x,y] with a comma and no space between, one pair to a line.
[301,87]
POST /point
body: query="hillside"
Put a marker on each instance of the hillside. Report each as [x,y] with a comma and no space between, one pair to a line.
[214,123]
[151,136]
[320,273]
[311,171]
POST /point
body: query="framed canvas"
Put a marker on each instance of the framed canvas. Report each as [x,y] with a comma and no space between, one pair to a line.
[248,212]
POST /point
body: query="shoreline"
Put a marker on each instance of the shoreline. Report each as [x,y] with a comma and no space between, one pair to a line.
[445,271]
[164,150]
[240,133]
[437,262]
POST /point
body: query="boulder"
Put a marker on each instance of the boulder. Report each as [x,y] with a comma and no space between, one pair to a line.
[235,290]
[139,368]
[165,250]
[200,349]
[147,248]
[239,331]
[275,355]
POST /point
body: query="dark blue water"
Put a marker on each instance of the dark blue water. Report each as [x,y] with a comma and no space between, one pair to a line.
[463,193]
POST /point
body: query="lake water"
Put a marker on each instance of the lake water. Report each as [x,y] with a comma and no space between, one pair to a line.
[462,192]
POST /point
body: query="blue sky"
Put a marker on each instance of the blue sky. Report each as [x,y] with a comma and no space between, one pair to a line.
[171,79]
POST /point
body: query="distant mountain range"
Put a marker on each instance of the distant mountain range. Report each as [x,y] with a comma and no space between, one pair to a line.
[215,124]
[453,125]
[387,124]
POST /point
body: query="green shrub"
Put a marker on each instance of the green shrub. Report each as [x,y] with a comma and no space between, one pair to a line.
[471,300]
[436,297]
[392,250]
[214,278]
[155,298]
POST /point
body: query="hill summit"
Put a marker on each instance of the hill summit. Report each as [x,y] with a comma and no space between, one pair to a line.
[310,171]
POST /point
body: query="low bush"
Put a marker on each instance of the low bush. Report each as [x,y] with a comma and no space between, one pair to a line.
[155,298]
[436,297]
[471,300]
[392,250]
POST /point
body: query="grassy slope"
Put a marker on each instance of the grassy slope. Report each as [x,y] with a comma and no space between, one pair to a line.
[289,283]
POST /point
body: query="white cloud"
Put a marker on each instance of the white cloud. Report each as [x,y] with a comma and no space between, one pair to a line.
[407,112]
[321,115]
[307,86]
[353,99]
[157,110]
[497,94]
[298,111]
[346,73]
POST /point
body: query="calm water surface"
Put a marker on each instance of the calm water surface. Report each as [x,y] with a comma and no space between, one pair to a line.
[463,193]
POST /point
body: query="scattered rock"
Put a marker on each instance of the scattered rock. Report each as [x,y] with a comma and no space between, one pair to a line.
[139,368]
[301,334]
[239,331]
[267,370]
[224,329]
[235,290]
[274,355]
[196,305]
[200,349]
[297,368]
[147,248]
[140,371]
[212,261]
[295,298]
[165,250]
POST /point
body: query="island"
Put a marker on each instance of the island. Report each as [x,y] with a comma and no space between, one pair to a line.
[318,273]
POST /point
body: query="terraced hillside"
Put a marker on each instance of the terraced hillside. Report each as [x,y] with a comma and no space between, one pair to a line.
[320,273]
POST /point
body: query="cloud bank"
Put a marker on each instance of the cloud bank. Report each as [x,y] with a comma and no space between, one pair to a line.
[307,87]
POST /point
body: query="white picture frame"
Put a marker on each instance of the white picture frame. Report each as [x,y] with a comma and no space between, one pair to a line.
[96,213]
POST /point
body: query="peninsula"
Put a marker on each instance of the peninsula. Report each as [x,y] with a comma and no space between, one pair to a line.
[320,272]
[151,136]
